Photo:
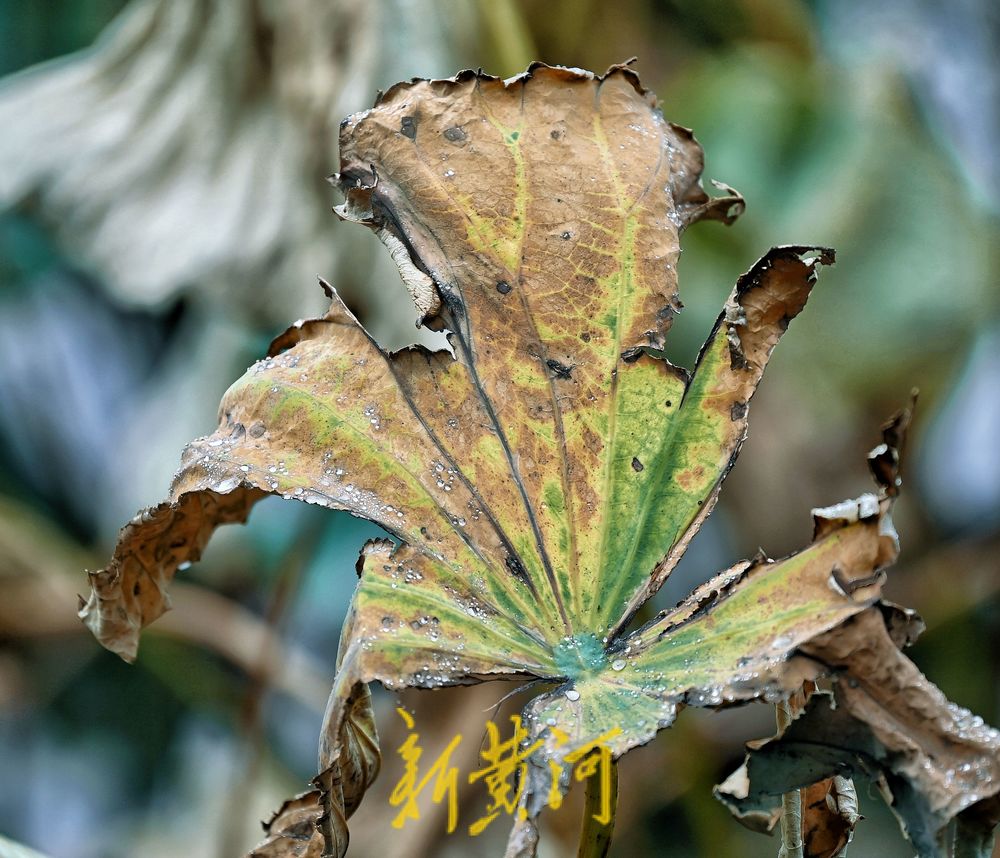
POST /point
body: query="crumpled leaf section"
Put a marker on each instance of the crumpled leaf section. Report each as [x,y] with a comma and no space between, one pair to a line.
[933,761]
[543,478]
[132,591]
[292,831]
[829,817]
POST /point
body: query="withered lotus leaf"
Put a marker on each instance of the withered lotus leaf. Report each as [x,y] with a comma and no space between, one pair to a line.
[543,478]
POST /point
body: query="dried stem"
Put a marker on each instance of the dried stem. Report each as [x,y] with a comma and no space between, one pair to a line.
[791,802]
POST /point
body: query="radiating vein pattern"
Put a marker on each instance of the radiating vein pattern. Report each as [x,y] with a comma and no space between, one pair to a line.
[541,480]
[548,217]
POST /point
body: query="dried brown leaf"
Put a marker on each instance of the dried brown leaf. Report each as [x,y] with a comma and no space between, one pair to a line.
[934,760]
[544,478]
[829,815]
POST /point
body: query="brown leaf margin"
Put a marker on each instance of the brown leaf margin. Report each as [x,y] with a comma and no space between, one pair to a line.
[131,591]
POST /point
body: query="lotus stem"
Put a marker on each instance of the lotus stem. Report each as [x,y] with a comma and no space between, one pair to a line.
[791,802]
[595,837]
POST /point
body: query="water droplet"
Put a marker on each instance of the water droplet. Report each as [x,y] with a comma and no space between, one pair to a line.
[781,642]
[572,694]
[618,664]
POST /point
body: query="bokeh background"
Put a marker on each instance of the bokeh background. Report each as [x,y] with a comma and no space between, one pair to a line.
[163,214]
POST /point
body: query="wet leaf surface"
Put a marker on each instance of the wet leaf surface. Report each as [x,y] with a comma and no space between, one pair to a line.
[933,761]
[543,479]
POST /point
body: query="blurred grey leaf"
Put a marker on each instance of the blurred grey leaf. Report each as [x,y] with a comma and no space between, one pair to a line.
[187,149]
[72,367]
[10,849]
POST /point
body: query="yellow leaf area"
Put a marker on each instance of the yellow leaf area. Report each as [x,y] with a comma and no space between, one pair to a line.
[541,481]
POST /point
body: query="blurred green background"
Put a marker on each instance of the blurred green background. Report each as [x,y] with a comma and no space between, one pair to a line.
[164,214]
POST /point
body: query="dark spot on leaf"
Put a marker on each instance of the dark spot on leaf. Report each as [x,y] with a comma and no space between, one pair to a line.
[408,127]
[515,567]
[669,403]
[737,360]
[503,287]
[257,430]
[560,370]
[136,589]
[737,411]
[637,465]
[555,134]
[514,135]
[585,337]
[454,134]
[451,300]
[567,235]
